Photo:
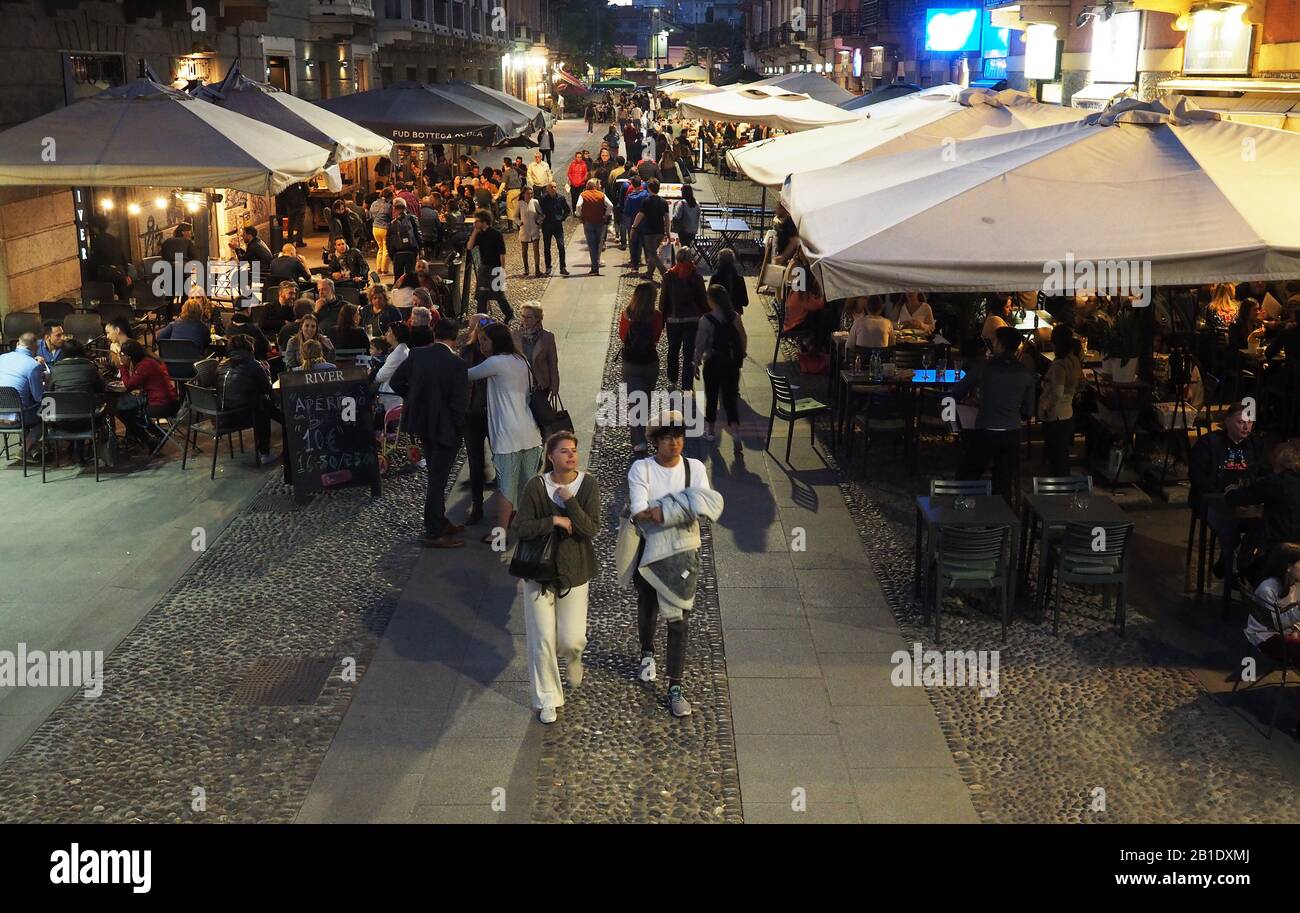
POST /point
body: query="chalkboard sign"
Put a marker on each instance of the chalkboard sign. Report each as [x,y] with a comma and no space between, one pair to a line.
[328,432]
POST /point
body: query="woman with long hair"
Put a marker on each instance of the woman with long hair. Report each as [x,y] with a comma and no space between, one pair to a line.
[149,394]
[686,217]
[313,357]
[640,327]
[348,334]
[563,501]
[516,442]
[308,330]
[530,227]
[721,343]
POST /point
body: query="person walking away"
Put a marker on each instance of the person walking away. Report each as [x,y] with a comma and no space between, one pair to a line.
[537,344]
[554,211]
[683,302]
[476,422]
[639,327]
[728,276]
[591,118]
[293,203]
[516,442]
[381,216]
[491,276]
[596,212]
[1056,403]
[577,175]
[1006,396]
[404,241]
[545,146]
[652,225]
[434,384]
[721,344]
[668,494]
[686,218]
[530,229]
[562,501]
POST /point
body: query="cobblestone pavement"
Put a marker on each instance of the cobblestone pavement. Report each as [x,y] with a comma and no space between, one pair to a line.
[283,581]
[616,754]
[1088,710]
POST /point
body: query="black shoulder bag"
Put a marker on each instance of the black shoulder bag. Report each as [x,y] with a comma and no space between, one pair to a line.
[550,417]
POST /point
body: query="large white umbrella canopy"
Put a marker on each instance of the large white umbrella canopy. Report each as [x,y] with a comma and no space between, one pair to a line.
[268,105]
[688,90]
[690,73]
[768,106]
[810,84]
[144,134]
[931,118]
[1167,190]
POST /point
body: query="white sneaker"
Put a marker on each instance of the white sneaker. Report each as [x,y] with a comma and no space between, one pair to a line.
[575,672]
[647,673]
[547,715]
[677,702]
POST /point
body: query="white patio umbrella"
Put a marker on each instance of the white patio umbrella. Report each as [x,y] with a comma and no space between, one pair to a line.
[1169,193]
[929,118]
[688,73]
[767,106]
[688,90]
[810,84]
[144,134]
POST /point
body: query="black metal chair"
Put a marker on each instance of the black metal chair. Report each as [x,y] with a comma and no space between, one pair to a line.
[70,417]
[55,310]
[85,328]
[1091,555]
[786,407]
[971,559]
[117,310]
[943,488]
[348,293]
[11,402]
[1055,486]
[16,323]
[204,407]
[92,292]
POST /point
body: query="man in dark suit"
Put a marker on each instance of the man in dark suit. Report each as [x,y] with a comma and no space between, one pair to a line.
[434,383]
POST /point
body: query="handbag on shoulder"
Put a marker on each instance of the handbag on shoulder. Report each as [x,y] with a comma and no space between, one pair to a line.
[534,559]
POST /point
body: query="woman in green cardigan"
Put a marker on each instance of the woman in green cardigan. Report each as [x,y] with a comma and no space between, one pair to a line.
[556,617]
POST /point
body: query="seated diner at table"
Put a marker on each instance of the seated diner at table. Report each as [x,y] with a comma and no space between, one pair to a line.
[348,334]
[913,312]
[1279,493]
[150,393]
[313,356]
[1226,458]
[871,329]
[308,331]
[190,325]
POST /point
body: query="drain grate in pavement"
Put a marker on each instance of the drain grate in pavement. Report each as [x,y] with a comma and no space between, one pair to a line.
[284,681]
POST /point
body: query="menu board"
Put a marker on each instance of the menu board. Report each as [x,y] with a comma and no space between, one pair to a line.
[328,432]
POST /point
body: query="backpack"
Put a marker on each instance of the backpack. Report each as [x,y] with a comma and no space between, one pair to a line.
[639,347]
[726,341]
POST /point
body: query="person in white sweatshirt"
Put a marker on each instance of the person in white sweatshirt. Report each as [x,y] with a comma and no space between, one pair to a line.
[650,481]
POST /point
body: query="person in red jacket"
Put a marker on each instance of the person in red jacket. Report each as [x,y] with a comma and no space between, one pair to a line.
[577,179]
[150,393]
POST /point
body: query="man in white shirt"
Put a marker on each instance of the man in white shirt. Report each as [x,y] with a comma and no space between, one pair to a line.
[539,174]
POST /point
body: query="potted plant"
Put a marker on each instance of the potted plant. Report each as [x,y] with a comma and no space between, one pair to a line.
[1120,345]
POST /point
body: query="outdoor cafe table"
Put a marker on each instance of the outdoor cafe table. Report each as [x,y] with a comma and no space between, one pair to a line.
[1053,512]
[934,514]
[854,383]
[727,232]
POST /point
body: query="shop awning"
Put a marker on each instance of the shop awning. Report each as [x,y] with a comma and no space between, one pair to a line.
[268,105]
[768,106]
[923,120]
[1160,188]
[415,113]
[144,134]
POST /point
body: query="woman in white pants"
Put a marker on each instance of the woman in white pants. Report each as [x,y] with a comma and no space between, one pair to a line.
[566,502]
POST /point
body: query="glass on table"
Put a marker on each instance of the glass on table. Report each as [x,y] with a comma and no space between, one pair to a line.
[927,358]
[1080,500]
